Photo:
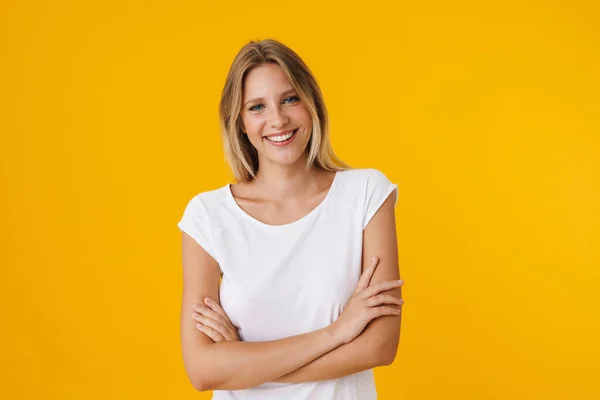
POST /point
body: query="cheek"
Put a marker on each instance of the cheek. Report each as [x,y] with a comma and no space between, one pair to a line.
[302,115]
[254,123]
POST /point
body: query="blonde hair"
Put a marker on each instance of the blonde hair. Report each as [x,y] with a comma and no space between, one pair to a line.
[239,152]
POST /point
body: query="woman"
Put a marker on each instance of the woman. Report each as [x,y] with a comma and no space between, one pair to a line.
[294,242]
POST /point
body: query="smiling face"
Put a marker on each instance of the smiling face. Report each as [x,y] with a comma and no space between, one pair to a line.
[271,112]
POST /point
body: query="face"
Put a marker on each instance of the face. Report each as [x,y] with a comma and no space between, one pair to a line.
[271,111]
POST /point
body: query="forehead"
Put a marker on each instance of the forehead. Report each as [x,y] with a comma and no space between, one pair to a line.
[264,80]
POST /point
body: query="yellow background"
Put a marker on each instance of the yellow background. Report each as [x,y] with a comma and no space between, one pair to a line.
[485,113]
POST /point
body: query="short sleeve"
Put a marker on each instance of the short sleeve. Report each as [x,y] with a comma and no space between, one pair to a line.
[378,189]
[195,223]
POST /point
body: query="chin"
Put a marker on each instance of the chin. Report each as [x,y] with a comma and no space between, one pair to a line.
[285,160]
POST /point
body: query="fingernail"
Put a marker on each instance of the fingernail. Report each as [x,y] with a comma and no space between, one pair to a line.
[207,300]
[374,259]
[400,281]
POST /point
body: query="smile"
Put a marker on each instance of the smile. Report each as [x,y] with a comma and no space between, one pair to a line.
[283,139]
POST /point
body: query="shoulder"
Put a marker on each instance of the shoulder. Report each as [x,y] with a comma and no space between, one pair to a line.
[362,179]
[206,211]
[362,173]
[365,190]
[207,199]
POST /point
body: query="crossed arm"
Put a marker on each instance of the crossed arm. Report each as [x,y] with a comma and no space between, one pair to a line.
[372,348]
[378,343]
[287,360]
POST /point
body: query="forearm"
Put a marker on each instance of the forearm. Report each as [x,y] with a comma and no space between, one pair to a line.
[234,365]
[359,355]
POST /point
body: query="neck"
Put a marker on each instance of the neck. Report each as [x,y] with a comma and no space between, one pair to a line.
[281,182]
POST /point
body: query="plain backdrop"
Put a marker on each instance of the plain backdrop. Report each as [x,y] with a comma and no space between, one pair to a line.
[484,113]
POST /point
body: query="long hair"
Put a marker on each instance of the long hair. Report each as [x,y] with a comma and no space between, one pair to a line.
[239,152]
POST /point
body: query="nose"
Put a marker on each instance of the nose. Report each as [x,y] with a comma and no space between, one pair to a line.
[278,118]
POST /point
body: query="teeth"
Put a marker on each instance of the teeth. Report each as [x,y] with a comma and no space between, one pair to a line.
[281,138]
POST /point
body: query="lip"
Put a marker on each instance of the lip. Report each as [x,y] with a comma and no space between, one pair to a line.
[283,144]
[280,133]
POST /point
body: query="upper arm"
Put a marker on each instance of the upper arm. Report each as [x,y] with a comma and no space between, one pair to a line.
[379,239]
[201,277]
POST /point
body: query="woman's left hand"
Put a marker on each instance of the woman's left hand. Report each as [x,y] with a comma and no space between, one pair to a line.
[213,322]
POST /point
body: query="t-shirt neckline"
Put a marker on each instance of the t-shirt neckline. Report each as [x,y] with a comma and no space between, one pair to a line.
[315,210]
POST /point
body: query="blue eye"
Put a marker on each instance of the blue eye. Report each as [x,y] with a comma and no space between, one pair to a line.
[295,98]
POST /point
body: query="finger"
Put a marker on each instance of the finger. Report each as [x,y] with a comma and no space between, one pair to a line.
[211,328]
[381,311]
[215,325]
[384,299]
[218,309]
[211,333]
[380,287]
[213,315]
[365,278]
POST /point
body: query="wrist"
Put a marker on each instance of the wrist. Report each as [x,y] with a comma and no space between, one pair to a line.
[332,333]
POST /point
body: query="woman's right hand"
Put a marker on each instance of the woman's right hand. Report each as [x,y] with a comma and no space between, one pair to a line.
[365,305]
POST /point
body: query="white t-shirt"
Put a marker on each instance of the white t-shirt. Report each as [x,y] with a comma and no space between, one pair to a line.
[285,280]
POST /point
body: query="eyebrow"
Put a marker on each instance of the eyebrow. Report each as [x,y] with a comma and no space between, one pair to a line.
[262,98]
